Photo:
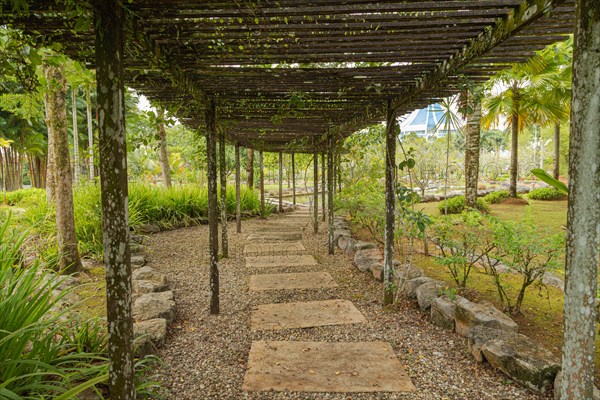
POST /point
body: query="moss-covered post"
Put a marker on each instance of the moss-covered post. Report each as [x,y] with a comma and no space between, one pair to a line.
[390,209]
[261,167]
[315,188]
[471,102]
[56,121]
[213,224]
[330,192]
[108,26]
[238,205]
[280,207]
[293,180]
[323,186]
[223,193]
[583,216]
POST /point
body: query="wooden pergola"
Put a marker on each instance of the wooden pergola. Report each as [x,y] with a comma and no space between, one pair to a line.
[286,75]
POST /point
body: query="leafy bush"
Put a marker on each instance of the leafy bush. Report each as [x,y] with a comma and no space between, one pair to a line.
[519,247]
[15,197]
[546,194]
[457,205]
[496,197]
[364,203]
[167,208]
[458,241]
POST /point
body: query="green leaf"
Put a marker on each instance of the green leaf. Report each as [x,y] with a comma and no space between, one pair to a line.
[555,183]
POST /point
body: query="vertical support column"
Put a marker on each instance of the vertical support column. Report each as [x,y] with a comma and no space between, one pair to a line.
[390,185]
[213,227]
[238,205]
[583,217]
[293,179]
[330,191]
[323,186]
[315,188]
[472,137]
[339,172]
[108,29]
[280,207]
[223,205]
[261,167]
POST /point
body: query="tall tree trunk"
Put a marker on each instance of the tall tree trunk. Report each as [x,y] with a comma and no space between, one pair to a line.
[223,206]
[556,171]
[514,145]
[50,181]
[472,138]
[213,227]
[163,152]
[390,206]
[583,217]
[250,168]
[108,27]
[88,109]
[57,128]
[76,168]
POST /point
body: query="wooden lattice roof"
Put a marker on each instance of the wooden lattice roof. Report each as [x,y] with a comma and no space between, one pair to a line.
[284,72]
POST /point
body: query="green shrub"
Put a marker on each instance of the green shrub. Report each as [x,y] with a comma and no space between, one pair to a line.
[364,203]
[496,197]
[456,205]
[15,197]
[167,208]
[546,194]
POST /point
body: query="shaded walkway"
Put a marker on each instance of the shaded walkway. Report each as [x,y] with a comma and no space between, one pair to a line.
[208,357]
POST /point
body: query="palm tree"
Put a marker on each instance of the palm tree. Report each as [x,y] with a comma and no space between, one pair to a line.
[527,94]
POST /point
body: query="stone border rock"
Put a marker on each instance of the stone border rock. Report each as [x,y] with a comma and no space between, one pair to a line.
[153,306]
[492,335]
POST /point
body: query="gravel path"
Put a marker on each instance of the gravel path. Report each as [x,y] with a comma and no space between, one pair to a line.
[205,356]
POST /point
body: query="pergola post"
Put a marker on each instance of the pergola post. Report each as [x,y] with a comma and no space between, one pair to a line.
[315,188]
[108,27]
[280,207]
[261,168]
[330,190]
[390,185]
[583,217]
[213,227]
[238,205]
[293,179]
[223,193]
[323,186]
[472,138]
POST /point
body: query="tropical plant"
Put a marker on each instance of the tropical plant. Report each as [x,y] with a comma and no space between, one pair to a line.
[533,93]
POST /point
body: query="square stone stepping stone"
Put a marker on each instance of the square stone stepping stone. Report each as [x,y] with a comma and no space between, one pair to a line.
[302,280]
[285,260]
[325,367]
[271,236]
[305,315]
[273,248]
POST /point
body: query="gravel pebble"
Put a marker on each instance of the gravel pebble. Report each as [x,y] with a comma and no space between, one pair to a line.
[205,356]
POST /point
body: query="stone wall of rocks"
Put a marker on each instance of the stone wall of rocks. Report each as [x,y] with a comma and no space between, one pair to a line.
[491,335]
[153,303]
